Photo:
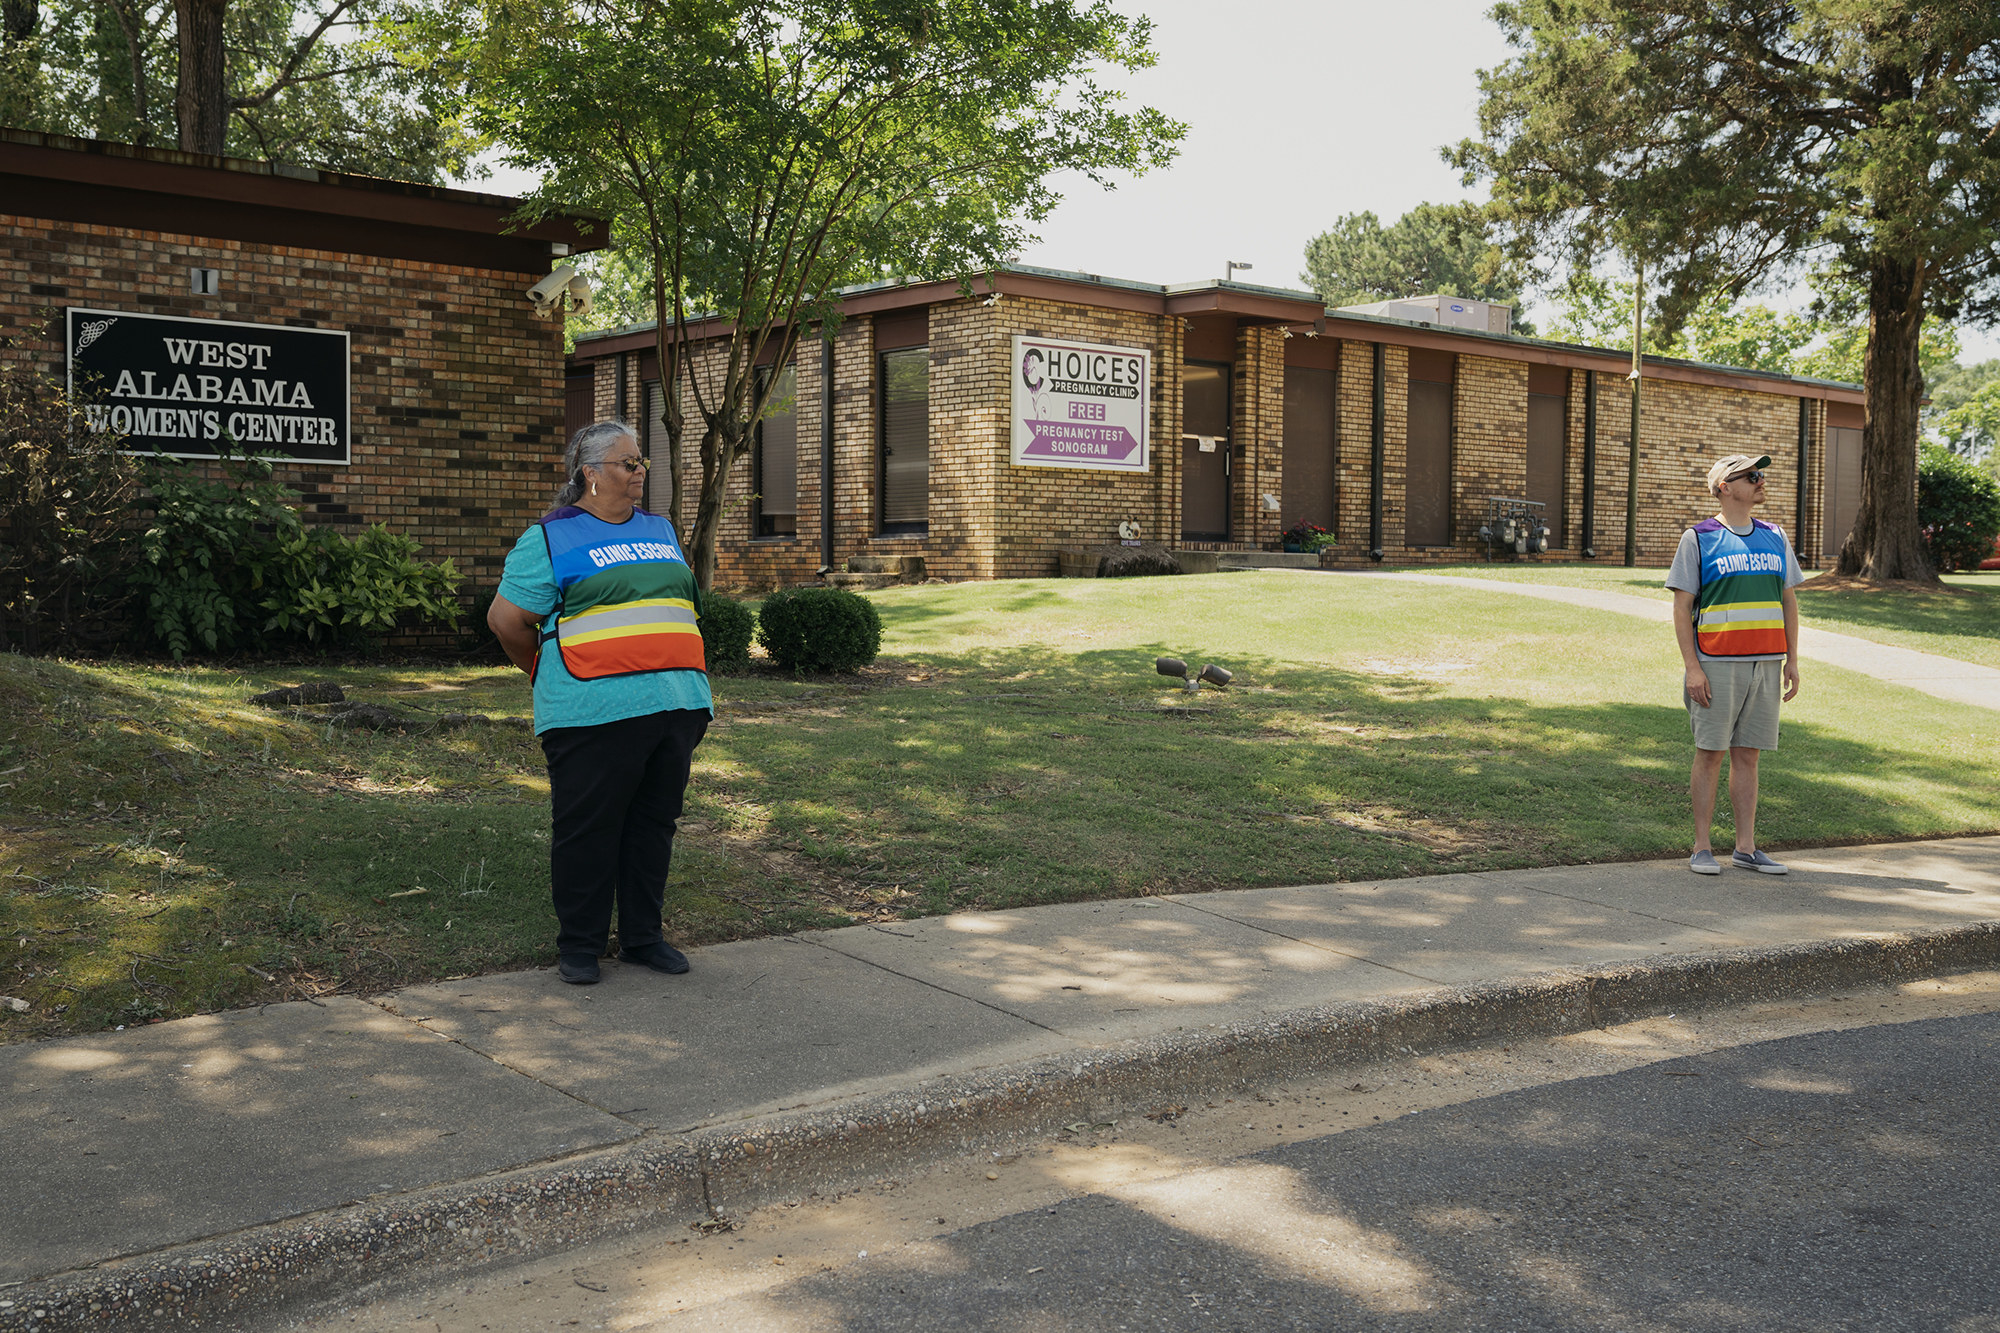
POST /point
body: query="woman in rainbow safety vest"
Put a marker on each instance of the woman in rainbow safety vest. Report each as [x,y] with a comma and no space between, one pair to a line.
[600,608]
[1737,622]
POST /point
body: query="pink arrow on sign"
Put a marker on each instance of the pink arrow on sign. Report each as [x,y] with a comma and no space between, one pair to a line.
[1069,439]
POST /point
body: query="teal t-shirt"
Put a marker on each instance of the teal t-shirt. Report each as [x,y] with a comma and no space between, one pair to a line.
[561,700]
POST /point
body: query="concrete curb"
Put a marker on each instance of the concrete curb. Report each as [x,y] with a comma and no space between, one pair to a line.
[261,1272]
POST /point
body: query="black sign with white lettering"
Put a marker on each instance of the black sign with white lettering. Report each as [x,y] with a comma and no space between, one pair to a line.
[195,388]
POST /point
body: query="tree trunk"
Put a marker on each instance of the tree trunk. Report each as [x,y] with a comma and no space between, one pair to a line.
[201,98]
[1886,542]
[718,455]
[666,347]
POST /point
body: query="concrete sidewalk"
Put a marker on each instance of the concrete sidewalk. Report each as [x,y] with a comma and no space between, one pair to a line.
[1941,677]
[497,1112]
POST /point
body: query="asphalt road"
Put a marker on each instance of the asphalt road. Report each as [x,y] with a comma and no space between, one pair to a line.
[1838,1180]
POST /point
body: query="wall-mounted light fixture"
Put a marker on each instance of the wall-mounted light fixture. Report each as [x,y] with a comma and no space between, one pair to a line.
[1229,270]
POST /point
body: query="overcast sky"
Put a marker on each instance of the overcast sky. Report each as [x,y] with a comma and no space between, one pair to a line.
[1298,111]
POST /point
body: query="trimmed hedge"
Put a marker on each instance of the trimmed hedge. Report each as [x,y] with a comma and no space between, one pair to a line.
[726,627]
[819,629]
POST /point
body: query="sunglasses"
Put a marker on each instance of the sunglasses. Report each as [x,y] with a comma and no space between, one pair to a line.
[630,465]
[1753,476]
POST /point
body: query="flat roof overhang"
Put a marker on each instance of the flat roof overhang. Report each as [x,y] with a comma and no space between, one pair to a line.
[1513,347]
[95,183]
[1301,312]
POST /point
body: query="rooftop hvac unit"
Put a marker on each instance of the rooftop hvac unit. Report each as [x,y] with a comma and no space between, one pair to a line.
[1452,311]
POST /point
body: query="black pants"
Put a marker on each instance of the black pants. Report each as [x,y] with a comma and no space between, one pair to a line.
[616,790]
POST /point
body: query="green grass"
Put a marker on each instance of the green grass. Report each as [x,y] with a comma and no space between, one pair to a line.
[1961,623]
[1014,747]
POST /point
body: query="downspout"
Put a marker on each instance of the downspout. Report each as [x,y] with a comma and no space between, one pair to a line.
[618,399]
[1375,463]
[1805,446]
[825,452]
[1589,465]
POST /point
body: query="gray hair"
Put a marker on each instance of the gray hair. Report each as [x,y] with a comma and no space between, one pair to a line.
[588,448]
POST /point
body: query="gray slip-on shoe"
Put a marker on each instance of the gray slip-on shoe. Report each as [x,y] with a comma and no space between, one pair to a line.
[1758,862]
[1703,862]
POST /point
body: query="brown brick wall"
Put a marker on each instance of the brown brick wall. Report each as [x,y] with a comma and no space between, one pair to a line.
[989,519]
[1034,509]
[457,405]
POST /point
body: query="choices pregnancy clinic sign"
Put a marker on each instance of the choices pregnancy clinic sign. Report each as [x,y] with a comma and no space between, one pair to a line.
[1080,405]
[196,388]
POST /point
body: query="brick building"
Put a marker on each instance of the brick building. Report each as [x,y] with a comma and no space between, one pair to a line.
[905,435]
[406,300]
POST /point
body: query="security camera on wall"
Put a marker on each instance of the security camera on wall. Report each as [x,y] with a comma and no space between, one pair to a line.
[563,292]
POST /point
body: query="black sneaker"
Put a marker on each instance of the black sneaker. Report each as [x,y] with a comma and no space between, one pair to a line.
[660,956]
[578,969]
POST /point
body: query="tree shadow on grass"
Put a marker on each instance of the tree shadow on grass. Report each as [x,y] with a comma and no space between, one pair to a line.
[1671,1195]
[1037,775]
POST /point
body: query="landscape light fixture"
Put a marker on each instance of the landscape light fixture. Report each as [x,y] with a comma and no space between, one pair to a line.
[1175,667]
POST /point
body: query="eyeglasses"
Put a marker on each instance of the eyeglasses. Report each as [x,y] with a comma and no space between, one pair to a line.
[1753,476]
[630,465]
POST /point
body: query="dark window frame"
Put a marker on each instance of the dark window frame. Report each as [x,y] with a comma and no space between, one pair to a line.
[907,527]
[1451,511]
[758,518]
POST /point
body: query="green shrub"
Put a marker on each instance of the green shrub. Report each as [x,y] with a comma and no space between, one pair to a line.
[200,572]
[726,627]
[65,505]
[1958,508]
[328,588]
[819,629]
[229,564]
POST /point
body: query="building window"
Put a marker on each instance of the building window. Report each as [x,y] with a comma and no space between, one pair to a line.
[775,463]
[904,380]
[1427,486]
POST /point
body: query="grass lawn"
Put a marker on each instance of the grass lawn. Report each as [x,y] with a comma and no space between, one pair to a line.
[170,848]
[1963,623]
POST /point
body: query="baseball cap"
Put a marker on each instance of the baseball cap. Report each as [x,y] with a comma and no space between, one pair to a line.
[1724,468]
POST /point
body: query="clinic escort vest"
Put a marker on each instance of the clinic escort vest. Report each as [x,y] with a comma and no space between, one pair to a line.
[1739,611]
[628,597]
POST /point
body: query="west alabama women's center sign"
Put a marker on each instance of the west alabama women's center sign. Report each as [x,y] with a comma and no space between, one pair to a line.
[1081,405]
[196,388]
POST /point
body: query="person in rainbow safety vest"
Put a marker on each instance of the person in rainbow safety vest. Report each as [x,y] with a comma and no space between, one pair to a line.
[599,607]
[1737,621]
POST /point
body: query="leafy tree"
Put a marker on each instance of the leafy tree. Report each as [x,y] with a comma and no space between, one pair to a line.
[1964,411]
[1432,248]
[621,287]
[1724,143]
[1958,504]
[309,82]
[1597,310]
[762,153]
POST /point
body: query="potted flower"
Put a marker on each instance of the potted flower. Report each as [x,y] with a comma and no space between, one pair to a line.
[1304,536]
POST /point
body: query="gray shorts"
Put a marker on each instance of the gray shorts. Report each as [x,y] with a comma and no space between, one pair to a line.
[1742,706]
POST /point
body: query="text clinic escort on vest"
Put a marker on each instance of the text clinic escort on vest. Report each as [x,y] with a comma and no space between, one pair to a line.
[625,552]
